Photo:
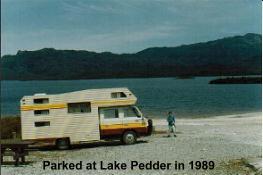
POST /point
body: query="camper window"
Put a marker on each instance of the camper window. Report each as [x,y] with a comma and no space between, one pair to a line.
[40,124]
[79,107]
[41,112]
[130,112]
[118,95]
[41,100]
[110,113]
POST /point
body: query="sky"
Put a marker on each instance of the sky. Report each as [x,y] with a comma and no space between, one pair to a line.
[122,26]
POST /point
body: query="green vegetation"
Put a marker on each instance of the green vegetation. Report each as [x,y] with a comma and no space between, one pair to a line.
[10,125]
[239,55]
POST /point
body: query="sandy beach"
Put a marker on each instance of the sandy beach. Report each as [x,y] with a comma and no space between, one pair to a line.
[232,142]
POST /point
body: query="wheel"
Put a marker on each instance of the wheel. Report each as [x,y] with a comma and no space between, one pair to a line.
[129,137]
[63,144]
[150,127]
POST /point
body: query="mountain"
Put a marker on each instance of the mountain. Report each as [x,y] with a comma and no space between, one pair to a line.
[238,55]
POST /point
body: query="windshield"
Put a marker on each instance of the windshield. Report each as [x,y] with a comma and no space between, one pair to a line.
[137,111]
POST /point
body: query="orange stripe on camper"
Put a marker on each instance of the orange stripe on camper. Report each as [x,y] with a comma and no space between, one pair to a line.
[122,126]
[106,103]
[103,103]
[43,106]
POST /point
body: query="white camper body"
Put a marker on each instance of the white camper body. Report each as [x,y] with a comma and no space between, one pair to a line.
[80,116]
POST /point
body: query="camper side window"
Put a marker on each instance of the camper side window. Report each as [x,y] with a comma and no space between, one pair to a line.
[79,107]
[41,124]
[41,112]
[110,113]
[41,100]
[118,95]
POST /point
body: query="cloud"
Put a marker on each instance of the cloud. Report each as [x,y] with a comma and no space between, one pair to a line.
[89,7]
[113,41]
[141,35]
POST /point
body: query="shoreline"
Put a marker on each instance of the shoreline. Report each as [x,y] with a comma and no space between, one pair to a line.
[237,80]
[161,121]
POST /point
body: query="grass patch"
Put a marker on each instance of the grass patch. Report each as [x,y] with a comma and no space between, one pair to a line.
[10,125]
[246,164]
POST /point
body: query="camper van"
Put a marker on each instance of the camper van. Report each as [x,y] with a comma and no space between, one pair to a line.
[83,116]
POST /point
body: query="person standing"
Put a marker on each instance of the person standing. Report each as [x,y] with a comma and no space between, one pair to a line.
[171,124]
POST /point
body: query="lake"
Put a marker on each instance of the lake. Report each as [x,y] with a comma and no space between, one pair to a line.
[156,96]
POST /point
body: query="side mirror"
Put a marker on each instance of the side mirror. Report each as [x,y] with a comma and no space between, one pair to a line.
[138,112]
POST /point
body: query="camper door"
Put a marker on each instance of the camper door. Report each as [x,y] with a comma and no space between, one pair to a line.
[131,117]
[114,120]
[110,121]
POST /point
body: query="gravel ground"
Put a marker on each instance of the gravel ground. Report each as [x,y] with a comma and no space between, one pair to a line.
[232,142]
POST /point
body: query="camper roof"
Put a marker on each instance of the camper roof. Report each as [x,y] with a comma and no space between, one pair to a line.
[90,92]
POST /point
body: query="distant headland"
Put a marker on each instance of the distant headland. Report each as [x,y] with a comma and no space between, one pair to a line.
[237,80]
[237,55]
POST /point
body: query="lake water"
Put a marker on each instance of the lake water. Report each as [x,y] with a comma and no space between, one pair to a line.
[187,97]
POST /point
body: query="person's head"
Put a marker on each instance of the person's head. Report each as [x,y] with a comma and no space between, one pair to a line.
[170,113]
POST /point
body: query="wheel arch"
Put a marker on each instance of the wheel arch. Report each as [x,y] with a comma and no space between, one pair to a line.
[131,129]
[67,144]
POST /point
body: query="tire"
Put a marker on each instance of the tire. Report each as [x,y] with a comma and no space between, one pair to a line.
[63,144]
[129,137]
[150,127]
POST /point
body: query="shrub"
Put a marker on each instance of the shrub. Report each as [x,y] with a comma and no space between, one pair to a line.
[9,125]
